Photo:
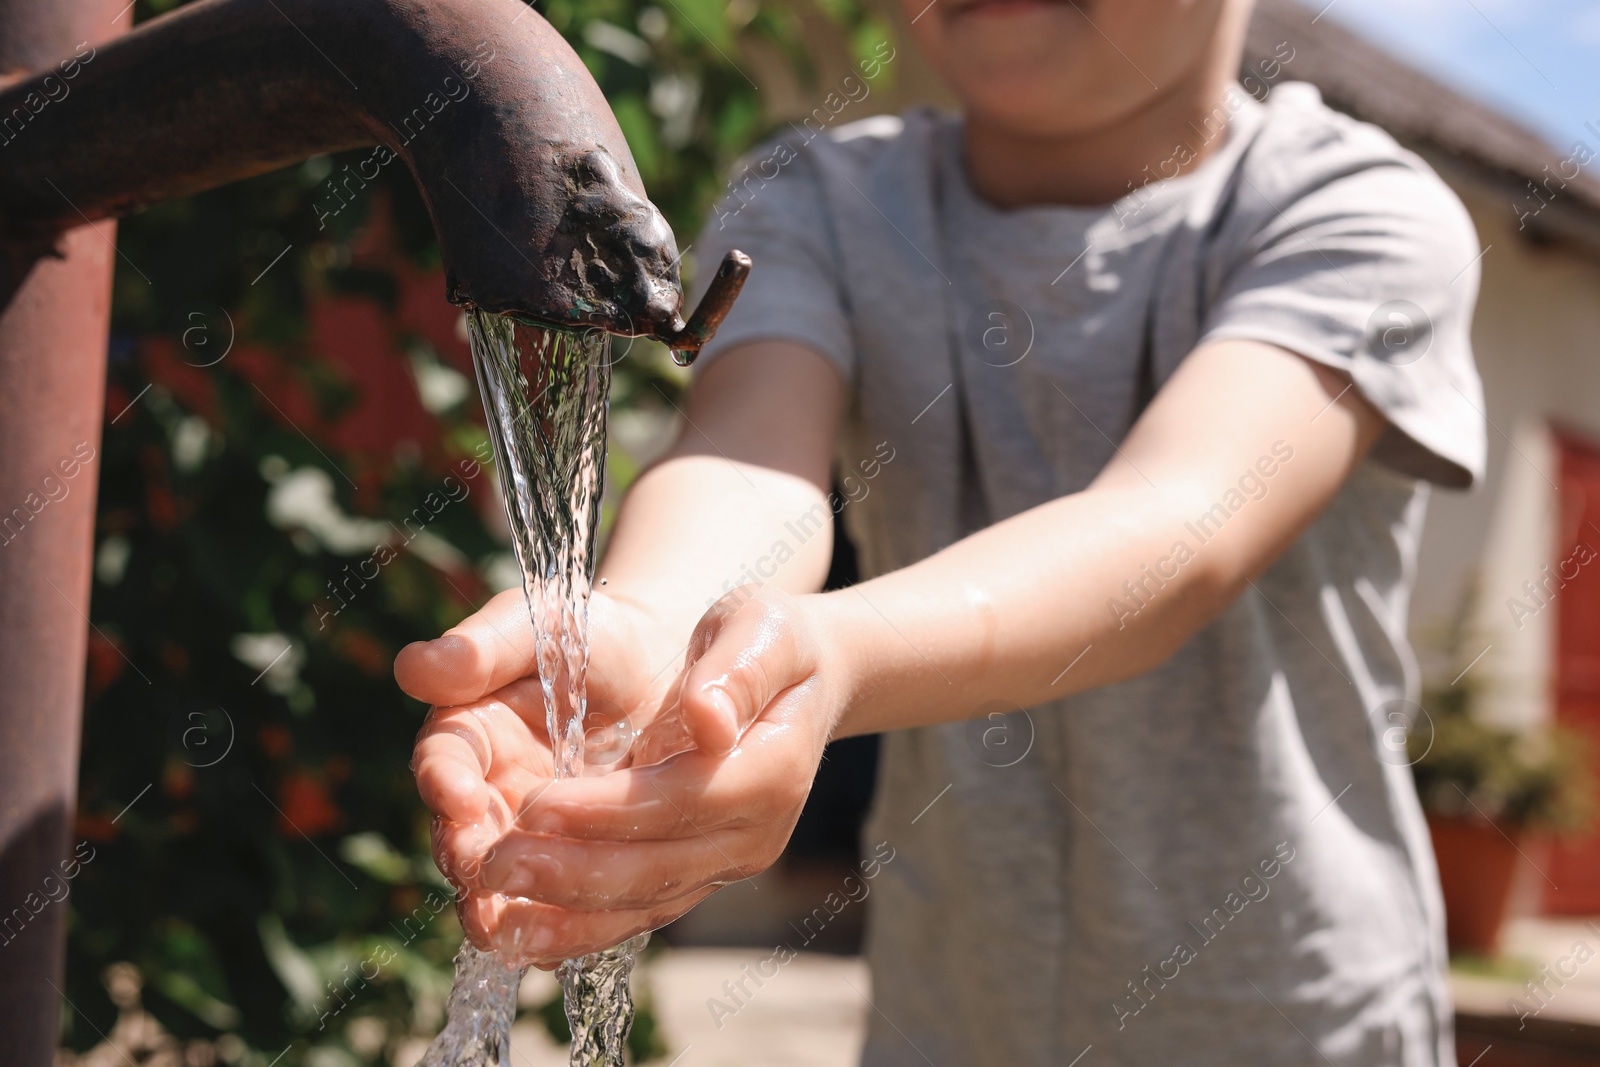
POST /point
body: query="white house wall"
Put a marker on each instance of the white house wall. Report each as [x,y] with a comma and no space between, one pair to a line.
[1536,335]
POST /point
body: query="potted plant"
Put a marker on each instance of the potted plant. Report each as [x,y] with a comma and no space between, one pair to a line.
[1488,791]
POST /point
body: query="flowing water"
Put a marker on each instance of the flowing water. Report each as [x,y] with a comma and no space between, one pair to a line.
[544,391]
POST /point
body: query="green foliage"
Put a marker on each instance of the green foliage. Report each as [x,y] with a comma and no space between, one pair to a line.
[1536,779]
[270,876]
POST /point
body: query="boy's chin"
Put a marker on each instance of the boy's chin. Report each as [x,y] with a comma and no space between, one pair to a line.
[1036,101]
[1002,54]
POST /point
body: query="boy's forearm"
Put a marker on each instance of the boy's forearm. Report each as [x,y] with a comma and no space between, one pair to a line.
[695,527]
[741,496]
[1240,451]
[1083,591]
[1023,612]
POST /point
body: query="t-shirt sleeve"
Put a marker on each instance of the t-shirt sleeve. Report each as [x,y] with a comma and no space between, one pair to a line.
[1374,273]
[793,291]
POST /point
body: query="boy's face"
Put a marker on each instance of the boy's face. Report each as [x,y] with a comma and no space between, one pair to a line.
[1051,68]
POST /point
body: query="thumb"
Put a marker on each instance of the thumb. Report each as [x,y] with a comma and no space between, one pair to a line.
[745,653]
[490,648]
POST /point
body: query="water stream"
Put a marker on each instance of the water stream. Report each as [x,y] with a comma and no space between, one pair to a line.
[544,391]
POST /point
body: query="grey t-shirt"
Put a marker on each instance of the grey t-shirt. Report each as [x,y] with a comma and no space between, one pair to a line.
[1222,861]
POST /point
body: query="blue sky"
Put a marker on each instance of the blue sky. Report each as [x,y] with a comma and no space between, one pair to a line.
[1537,61]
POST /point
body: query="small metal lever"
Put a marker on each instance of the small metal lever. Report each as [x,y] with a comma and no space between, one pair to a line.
[702,325]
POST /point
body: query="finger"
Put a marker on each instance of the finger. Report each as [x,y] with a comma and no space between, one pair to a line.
[694,793]
[607,875]
[460,851]
[463,851]
[524,697]
[495,648]
[751,655]
[488,649]
[476,766]
[690,794]
[451,760]
[526,931]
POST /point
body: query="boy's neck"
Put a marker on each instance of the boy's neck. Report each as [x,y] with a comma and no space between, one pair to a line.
[1168,136]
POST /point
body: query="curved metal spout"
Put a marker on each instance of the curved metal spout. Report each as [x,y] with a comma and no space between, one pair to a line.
[536,199]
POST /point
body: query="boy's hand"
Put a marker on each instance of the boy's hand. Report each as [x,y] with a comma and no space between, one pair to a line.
[553,869]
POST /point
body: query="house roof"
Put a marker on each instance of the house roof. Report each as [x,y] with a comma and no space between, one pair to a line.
[1454,133]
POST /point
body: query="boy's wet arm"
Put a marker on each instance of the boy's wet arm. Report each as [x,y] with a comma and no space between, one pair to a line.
[1237,454]
[1023,611]
[754,453]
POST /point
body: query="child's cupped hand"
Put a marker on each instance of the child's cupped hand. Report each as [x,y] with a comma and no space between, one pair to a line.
[727,735]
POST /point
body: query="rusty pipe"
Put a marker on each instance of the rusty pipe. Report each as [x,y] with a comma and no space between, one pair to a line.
[536,200]
[54,317]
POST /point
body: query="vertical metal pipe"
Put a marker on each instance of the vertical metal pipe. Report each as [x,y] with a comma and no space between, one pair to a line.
[54,316]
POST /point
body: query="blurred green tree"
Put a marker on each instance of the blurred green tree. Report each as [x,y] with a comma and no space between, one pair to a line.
[290,410]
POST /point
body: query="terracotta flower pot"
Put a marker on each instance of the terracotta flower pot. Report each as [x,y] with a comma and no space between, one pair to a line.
[1476,865]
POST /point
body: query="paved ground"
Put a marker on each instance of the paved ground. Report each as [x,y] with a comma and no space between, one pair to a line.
[1560,956]
[811,1013]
